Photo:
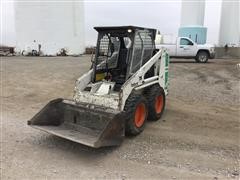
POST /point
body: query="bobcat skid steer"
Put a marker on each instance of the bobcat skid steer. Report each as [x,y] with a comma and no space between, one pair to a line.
[125,87]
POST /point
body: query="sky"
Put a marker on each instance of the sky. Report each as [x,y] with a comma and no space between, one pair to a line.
[163,15]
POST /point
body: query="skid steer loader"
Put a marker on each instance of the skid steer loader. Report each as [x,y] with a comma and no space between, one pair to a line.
[125,86]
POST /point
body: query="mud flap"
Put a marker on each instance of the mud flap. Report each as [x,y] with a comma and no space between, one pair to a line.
[82,123]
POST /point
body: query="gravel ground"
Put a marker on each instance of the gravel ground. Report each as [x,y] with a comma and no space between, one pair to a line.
[198,137]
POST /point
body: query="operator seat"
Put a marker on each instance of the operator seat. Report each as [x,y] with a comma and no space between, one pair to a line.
[119,74]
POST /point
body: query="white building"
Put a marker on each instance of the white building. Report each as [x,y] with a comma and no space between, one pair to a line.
[229,31]
[52,25]
[192,13]
[222,19]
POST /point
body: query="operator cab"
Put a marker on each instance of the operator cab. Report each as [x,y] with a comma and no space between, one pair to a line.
[120,52]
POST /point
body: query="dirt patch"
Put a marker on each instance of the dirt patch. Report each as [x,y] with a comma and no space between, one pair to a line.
[198,136]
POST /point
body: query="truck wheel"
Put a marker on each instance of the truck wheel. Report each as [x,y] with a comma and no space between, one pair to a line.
[202,57]
[156,102]
[136,113]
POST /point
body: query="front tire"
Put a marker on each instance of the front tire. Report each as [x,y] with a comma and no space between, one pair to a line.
[136,113]
[202,57]
[156,102]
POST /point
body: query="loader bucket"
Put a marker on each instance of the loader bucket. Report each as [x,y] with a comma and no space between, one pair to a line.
[81,123]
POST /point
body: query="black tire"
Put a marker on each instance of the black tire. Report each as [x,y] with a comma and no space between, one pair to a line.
[156,102]
[34,53]
[131,106]
[202,57]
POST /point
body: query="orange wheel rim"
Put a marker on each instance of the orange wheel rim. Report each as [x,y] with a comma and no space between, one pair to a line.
[159,104]
[140,115]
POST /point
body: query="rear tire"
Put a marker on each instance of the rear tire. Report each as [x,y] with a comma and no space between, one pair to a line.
[202,57]
[156,102]
[136,113]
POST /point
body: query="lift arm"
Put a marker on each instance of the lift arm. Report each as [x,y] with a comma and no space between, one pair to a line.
[160,62]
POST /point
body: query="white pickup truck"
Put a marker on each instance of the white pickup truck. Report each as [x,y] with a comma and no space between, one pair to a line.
[186,48]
